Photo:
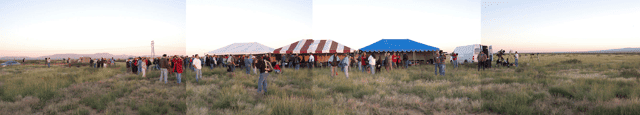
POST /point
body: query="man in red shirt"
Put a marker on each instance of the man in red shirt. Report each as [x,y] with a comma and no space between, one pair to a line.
[394,59]
[455,58]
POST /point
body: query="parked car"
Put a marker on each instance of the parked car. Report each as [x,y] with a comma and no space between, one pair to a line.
[8,63]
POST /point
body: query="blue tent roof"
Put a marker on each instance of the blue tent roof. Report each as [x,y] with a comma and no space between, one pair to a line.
[398,45]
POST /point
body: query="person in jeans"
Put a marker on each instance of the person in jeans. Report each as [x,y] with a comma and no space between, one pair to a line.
[139,59]
[516,56]
[454,57]
[372,64]
[177,62]
[49,62]
[297,61]
[197,66]
[247,64]
[436,62]
[264,73]
[164,65]
[442,60]
[346,65]
[363,61]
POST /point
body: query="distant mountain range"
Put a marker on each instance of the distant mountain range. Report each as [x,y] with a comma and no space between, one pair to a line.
[621,50]
[72,56]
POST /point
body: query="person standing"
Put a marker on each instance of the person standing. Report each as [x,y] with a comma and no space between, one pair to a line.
[516,56]
[91,63]
[247,64]
[436,62]
[346,65]
[231,65]
[135,65]
[177,62]
[311,61]
[197,67]
[139,60]
[481,59]
[23,60]
[49,62]
[334,64]
[405,59]
[113,62]
[264,73]
[442,58]
[164,65]
[358,59]
[297,61]
[372,64]
[454,56]
[364,62]
[143,65]
[386,63]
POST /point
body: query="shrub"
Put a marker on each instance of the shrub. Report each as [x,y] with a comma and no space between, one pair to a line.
[619,110]
[571,61]
[557,91]
[629,73]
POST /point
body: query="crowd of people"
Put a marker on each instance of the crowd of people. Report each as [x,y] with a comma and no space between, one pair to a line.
[263,64]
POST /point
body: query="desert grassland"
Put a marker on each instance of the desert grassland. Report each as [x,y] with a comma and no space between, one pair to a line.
[564,84]
[403,91]
[32,89]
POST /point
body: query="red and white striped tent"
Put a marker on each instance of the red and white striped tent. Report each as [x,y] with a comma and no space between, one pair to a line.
[313,47]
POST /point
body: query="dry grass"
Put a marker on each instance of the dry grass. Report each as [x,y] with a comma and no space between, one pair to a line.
[62,90]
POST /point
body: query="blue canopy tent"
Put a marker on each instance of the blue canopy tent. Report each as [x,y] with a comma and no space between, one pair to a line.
[401,45]
[398,45]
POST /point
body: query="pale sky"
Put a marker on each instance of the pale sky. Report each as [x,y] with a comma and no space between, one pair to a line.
[213,24]
[445,24]
[38,28]
[560,25]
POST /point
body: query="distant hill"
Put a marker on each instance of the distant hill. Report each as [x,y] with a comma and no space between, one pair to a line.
[72,56]
[622,50]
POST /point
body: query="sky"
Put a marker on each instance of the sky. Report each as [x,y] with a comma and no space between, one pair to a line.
[213,24]
[560,25]
[445,24]
[39,28]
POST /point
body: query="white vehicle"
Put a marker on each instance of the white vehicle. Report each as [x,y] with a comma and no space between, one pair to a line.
[469,53]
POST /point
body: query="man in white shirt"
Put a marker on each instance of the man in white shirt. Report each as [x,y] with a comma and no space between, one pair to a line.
[198,67]
[372,63]
[311,61]
[516,56]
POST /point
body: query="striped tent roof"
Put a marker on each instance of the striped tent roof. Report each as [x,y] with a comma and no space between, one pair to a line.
[313,46]
[242,48]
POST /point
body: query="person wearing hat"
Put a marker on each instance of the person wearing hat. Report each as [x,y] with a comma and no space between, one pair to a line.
[164,65]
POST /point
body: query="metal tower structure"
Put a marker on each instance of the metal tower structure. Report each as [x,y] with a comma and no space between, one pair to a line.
[153,53]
